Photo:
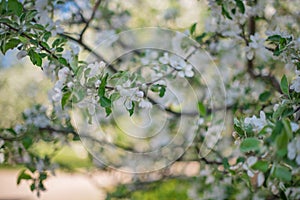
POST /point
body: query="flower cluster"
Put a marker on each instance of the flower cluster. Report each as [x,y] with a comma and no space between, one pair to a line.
[184,69]
[256,123]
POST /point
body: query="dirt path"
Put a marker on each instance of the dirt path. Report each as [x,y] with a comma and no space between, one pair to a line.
[63,186]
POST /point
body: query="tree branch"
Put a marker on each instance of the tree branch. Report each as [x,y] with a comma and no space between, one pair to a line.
[89,21]
[250,63]
[30,38]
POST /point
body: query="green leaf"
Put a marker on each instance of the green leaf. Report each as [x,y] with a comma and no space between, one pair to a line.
[105,102]
[162,91]
[201,109]
[284,85]
[225,13]
[193,28]
[279,111]
[264,96]
[27,142]
[35,58]
[240,5]
[250,144]
[276,131]
[274,38]
[43,176]
[199,38]
[282,173]
[23,176]
[11,44]
[15,7]
[114,96]
[32,187]
[108,111]
[5,20]
[288,128]
[237,127]
[260,165]
[59,49]
[46,36]
[65,98]
[131,111]
[63,61]
[225,163]
[282,141]
[101,89]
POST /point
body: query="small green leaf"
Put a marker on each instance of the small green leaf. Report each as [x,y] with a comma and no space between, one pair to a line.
[225,13]
[250,144]
[11,44]
[193,28]
[27,142]
[237,127]
[131,111]
[276,131]
[240,5]
[201,109]
[32,187]
[282,141]
[105,102]
[264,96]
[225,163]
[274,38]
[35,58]
[43,176]
[101,89]
[15,7]
[282,173]
[279,111]
[261,166]
[284,85]
[65,98]
[199,38]
[108,111]
[23,176]
[63,61]
[162,91]
[114,96]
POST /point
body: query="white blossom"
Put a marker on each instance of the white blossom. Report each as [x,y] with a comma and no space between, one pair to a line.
[164,59]
[294,150]
[2,158]
[186,71]
[96,69]
[145,104]
[247,165]
[296,83]
[256,45]
[256,123]
[294,126]
[1,143]
[260,179]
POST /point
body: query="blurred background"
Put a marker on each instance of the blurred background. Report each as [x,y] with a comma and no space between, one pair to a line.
[23,85]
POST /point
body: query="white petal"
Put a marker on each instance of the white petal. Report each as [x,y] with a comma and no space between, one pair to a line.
[1,158]
[294,126]
[260,179]
[250,173]
[298,159]
[181,74]
[250,54]
[189,73]
[251,160]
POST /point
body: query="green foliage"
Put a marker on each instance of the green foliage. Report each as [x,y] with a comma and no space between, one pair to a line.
[250,144]
[284,85]
[201,109]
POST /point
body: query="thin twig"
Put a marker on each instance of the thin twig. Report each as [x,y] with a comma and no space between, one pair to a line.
[89,21]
